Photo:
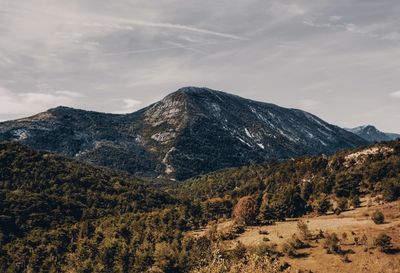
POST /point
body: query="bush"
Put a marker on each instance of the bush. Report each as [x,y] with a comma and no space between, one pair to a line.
[239,252]
[265,249]
[378,217]
[289,250]
[246,210]
[322,205]
[391,190]
[331,244]
[303,230]
[342,204]
[296,243]
[383,241]
[355,201]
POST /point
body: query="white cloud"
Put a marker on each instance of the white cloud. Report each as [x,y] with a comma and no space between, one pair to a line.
[395,94]
[335,18]
[129,106]
[29,103]
[70,94]
[308,104]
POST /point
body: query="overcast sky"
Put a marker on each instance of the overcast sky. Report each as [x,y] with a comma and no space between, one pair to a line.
[339,59]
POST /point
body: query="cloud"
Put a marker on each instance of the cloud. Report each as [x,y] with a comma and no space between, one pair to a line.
[395,94]
[308,104]
[69,94]
[261,49]
[129,106]
[179,27]
[12,103]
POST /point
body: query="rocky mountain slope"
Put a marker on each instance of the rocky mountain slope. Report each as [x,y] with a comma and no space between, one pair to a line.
[372,134]
[191,131]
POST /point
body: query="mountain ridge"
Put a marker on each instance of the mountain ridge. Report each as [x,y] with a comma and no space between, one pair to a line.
[189,132]
[372,134]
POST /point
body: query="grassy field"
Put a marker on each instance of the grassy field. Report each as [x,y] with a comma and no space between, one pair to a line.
[350,226]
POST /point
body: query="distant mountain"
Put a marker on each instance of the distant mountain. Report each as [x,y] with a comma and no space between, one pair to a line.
[191,131]
[371,134]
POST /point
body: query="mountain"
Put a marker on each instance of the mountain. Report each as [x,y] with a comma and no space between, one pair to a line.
[190,132]
[371,134]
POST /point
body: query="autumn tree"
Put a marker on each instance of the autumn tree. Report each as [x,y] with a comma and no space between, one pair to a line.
[246,210]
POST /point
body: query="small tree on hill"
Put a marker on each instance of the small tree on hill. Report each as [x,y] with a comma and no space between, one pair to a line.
[378,217]
[322,204]
[303,230]
[342,204]
[246,210]
[355,201]
[383,241]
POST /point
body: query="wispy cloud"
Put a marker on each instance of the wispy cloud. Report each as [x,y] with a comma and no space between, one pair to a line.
[395,94]
[28,103]
[128,106]
[179,27]
[296,53]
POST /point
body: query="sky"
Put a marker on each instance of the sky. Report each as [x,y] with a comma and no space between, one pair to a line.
[338,59]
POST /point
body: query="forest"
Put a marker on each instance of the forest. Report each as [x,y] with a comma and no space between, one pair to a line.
[60,215]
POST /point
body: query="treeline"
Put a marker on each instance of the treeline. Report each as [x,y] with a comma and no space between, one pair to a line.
[295,187]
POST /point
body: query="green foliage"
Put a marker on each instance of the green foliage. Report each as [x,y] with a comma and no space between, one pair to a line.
[383,241]
[322,204]
[342,204]
[378,217]
[355,201]
[60,215]
[331,244]
[391,189]
[303,230]
[301,181]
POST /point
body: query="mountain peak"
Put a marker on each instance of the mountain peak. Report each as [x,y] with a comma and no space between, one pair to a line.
[192,92]
[370,133]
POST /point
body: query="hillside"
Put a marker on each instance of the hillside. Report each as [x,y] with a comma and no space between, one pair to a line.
[60,215]
[39,190]
[190,132]
[292,187]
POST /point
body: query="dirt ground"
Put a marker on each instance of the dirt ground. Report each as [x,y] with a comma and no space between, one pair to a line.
[355,223]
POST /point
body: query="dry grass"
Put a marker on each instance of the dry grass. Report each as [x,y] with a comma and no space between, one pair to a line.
[355,257]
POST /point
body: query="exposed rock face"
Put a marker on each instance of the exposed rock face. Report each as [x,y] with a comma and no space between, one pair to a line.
[191,131]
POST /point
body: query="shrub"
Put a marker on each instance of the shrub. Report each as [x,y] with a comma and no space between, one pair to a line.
[303,230]
[364,240]
[246,210]
[322,205]
[342,204]
[355,201]
[391,190]
[239,252]
[297,243]
[344,237]
[331,244]
[265,249]
[263,232]
[383,241]
[289,250]
[378,217]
